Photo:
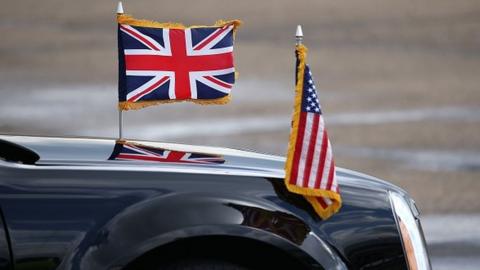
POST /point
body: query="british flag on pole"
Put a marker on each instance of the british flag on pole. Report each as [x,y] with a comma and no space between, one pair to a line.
[310,167]
[167,62]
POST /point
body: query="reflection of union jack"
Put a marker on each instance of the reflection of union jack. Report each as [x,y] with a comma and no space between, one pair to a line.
[135,152]
[175,64]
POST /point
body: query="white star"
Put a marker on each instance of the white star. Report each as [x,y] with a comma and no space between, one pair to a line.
[310,90]
[317,109]
[308,108]
[313,95]
[309,99]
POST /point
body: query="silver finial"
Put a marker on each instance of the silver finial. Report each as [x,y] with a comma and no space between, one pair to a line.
[119,8]
[299,35]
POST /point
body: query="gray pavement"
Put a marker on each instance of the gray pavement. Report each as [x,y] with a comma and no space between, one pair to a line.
[453,241]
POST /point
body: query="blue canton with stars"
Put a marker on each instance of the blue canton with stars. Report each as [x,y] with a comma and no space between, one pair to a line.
[310,103]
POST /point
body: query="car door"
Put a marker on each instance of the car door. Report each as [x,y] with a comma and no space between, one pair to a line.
[5,255]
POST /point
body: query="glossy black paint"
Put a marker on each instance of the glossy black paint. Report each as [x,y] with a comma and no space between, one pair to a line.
[75,210]
[5,254]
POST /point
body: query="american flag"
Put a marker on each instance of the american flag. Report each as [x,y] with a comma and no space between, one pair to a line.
[134,152]
[310,167]
[170,64]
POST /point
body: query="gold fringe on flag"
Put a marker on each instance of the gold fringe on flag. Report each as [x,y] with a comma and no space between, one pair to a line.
[129,105]
[310,195]
[128,19]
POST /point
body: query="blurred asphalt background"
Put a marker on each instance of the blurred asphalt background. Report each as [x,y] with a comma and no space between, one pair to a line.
[399,83]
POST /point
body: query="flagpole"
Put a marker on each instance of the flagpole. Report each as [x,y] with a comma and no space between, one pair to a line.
[120,112]
[299,35]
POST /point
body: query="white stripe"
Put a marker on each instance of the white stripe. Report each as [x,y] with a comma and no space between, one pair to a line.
[170,74]
[326,170]
[327,201]
[213,85]
[213,33]
[205,50]
[316,154]
[211,51]
[217,39]
[149,73]
[142,88]
[304,153]
[188,40]
[185,156]
[334,182]
[139,150]
[166,41]
[146,52]
[157,76]
[214,72]
[151,40]
[193,85]
[171,89]
[198,75]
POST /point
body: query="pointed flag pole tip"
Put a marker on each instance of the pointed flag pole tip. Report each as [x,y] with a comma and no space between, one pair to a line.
[299,35]
[119,8]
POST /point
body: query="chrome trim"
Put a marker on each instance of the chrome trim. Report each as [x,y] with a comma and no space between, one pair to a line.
[402,209]
[173,169]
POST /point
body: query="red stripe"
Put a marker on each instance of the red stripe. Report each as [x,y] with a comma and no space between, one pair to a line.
[331,173]
[323,155]
[208,40]
[149,89]
[322,203]
[144,40]
[217,81]
[298,148]
[178,62]
[311,149]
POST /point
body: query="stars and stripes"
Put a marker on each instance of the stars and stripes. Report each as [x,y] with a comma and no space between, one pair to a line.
[310,168]
[161,64]
[141,153]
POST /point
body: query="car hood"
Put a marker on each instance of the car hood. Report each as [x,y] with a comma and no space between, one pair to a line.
[104,153]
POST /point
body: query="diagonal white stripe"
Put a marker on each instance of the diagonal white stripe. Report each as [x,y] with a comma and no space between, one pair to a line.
[143,87]
[198,75]
[151,40]
[213,85]
[213,33]
[205,50]
[217,39]
[141,151]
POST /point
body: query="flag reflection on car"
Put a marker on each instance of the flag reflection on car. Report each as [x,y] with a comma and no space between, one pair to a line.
[130,151]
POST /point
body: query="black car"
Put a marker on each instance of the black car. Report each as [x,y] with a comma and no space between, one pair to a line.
[74,203]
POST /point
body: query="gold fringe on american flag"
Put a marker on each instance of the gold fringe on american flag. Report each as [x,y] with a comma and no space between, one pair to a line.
[310,167]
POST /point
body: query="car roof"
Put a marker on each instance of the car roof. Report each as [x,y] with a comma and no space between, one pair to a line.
[101,152]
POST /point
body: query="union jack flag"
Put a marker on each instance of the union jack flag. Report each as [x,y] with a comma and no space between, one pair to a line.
[135,152]
[170,64]
[310,167]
